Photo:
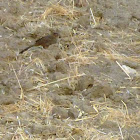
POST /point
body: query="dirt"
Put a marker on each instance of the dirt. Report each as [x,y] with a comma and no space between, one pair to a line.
[86,86]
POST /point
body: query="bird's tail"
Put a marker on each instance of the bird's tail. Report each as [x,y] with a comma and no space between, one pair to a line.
[25,49]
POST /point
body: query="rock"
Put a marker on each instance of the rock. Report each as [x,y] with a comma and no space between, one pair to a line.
[133,65]
[64,89]
[134,137]
[62,67]
[7,99]
[7,137]
[87,109]
[51,67]
[60,112]
[84,21]
[37,128]
[132,72]
[73,113]
[109,125]
[99,90]
[49,130]
[85,82]
[60,100]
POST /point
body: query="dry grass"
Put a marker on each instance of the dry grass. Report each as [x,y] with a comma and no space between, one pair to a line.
[55,16]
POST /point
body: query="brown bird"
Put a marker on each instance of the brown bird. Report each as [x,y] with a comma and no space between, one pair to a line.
[45,41]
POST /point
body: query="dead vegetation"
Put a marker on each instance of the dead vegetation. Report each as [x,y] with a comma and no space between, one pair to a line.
[86,86]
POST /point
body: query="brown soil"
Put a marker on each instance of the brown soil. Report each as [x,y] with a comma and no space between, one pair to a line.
[86,86]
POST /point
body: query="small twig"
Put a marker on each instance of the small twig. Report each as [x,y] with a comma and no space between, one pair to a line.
[93,17]
[120,131]
[123,69]
[21,95]
[60,80]
[125,107]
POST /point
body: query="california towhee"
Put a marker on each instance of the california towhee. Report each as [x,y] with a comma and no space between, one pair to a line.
[45,41]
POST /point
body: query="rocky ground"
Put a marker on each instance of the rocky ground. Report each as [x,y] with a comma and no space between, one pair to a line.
[84,87]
